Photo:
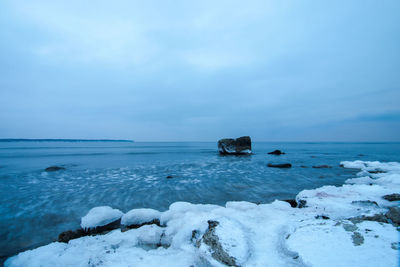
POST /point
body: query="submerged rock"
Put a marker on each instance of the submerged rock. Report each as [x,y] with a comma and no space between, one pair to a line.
[280,165]
[54,168]
[276,152]
[321,167]
[239,146]
[392,197]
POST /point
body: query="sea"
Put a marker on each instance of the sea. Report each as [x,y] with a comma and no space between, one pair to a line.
[36,206]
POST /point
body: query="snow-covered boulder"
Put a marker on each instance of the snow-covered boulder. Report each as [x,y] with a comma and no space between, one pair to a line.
[139,217]
[100,217]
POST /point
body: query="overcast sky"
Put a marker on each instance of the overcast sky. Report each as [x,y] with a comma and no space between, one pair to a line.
[200,70]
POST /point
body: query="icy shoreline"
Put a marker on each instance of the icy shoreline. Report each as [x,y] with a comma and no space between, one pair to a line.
[338,226]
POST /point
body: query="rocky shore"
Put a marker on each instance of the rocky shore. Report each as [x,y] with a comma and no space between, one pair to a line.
[356,224]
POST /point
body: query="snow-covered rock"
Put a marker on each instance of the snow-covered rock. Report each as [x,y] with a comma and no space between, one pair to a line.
[100,216]
[138,217]
[338,226]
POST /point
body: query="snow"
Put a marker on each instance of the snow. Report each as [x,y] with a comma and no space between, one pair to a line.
[246,151]
[139,216]
[100,216]
[255,235]
[335,246]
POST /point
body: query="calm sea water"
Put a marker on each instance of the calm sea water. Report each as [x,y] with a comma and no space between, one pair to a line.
[36,206]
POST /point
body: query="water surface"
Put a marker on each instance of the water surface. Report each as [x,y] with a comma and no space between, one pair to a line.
[37,205]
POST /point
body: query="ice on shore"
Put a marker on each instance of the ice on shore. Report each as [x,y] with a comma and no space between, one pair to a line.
[100,216]
[320,234]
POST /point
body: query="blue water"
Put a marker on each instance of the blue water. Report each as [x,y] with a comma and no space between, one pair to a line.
[36,206]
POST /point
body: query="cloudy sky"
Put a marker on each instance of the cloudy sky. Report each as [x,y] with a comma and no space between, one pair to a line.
[200,70]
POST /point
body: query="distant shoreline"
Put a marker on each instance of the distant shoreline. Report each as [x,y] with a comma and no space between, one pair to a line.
[62,140]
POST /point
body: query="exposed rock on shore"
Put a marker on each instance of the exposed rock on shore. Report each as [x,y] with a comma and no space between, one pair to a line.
[239,146]
[392,197]
[394,215]
[217,251]
[292,202]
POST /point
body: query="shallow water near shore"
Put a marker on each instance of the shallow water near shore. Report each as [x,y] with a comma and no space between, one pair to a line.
[37,205]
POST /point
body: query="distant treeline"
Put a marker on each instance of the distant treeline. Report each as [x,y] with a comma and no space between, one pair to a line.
[61,140]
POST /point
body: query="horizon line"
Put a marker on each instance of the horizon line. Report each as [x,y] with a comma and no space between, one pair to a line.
[166,141]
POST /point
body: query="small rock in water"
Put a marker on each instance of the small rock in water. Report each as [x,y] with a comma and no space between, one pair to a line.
[276,152]
[321,166]
[239,146]
[392,197]
[280,165]
[54,168]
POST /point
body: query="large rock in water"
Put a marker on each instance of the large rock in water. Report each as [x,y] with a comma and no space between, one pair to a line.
[239,146]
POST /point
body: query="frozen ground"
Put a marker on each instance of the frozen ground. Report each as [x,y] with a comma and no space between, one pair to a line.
[331,230]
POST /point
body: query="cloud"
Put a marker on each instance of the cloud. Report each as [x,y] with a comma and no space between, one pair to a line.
[161,70]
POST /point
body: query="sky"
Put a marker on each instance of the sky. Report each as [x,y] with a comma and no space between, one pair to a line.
[200,70]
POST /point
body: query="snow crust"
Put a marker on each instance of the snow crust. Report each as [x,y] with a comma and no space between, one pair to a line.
[100,216]
[255,235]
[139,216]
